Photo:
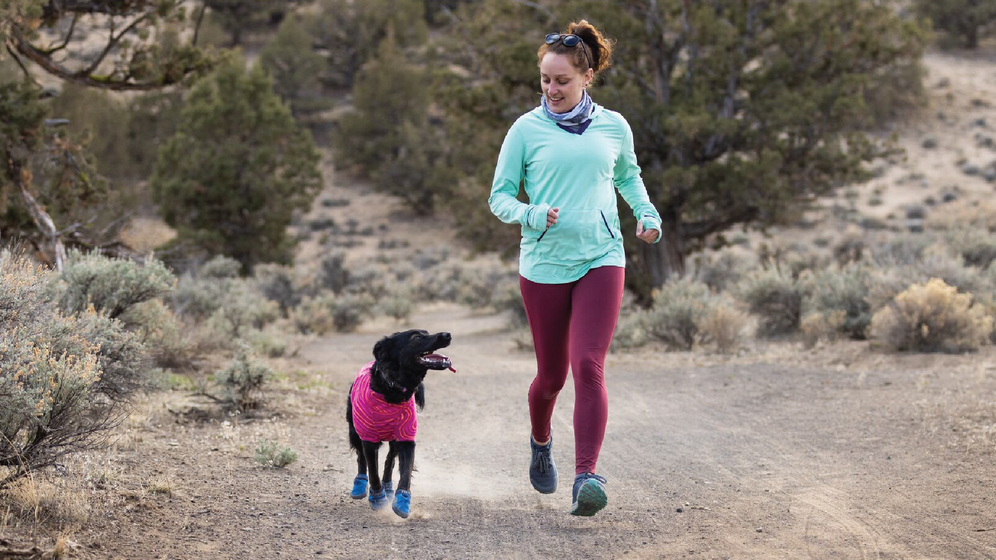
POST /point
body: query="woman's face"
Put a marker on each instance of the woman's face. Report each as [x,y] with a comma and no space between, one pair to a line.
[562,83]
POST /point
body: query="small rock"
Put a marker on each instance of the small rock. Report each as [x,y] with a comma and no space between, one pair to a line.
[914,226]
[979,122]
[970,169]
[679,510]
[949,197]
[929,143]
[759,530]
[943,83]
[985,142]
[989,174]
[981,103]
[916,212]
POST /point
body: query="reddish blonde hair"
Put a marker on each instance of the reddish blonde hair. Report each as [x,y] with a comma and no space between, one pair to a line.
[597,46]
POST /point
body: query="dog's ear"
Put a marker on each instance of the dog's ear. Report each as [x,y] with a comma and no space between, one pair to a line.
[420,396]
[384,350]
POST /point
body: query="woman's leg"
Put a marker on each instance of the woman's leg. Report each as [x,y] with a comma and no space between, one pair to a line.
[595,309]
[548,308]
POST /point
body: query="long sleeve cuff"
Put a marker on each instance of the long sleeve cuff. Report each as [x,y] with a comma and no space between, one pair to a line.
[651,222]
[536,216]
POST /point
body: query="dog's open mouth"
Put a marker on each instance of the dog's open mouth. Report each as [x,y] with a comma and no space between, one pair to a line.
[436,361]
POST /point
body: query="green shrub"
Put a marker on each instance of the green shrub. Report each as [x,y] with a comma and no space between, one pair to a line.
[242,310]
[333,274]
[844,289]
[398,303]
[50,374]
[349,310]
[678,309]
[112,286]
[965,21]
[295,68]
[243,379]
[277,283]
[271,454]
[722,269]
[631,332]
[268,342]
[314,315]
[776,298]
[977,246]
[932,317]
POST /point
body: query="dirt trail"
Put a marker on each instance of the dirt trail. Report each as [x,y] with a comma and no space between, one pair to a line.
[764,461]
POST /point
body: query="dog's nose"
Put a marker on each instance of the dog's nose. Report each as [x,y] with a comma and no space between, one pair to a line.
[445,336]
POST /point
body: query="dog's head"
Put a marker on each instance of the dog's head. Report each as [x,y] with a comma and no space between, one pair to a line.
[403,359]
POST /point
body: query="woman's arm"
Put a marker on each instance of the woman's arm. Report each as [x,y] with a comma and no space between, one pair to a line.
[509,172]
[626,175]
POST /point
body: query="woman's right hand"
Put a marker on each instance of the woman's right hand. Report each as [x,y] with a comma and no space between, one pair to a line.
[551,217]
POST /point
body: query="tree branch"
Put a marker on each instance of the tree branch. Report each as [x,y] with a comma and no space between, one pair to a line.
[111,43]
[69,35]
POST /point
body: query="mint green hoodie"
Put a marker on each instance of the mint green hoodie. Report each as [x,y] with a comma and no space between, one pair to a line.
[575,173]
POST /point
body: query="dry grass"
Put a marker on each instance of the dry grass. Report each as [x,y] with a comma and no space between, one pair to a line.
[932,317]
[145,234]
[38,501]
[160,484]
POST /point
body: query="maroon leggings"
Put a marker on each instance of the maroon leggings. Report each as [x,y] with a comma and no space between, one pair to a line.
[572,325]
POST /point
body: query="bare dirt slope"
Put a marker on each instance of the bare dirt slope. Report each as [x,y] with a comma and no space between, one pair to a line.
[762,460]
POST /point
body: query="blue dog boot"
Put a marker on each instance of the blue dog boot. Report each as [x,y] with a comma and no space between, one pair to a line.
[389,490]
[378,501]
[359,487]
[542,471]
[589,494]
[402,503]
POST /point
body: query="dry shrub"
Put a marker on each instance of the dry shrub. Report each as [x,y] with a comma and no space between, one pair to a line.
[725,327]
[775,297]
[932,317]
[935,262]
[349,310]
[631,332]
[976,214]
[821,327]
[161,332]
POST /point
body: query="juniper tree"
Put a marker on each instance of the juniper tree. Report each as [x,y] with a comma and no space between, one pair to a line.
[237,169]
[964,20]
[45,170]
[294,67]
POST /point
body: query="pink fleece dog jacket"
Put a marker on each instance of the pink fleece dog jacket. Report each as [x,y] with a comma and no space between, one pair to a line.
[377,420]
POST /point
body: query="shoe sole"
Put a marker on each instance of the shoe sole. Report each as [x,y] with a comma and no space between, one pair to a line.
[400,512]
[591,499]
[544,490]
[358,496]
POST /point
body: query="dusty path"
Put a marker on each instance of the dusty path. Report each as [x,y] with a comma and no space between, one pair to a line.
[763,461]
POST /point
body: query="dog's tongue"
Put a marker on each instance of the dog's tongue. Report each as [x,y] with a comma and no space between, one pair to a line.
[439,359]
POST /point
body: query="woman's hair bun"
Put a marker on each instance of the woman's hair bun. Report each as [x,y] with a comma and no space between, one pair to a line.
[599,45]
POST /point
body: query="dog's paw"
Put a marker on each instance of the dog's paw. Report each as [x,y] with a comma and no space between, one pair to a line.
[389,490]
[378,501]
[402,503]
[359,490]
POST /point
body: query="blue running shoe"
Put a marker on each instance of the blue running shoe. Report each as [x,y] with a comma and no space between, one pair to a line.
[378,501]
[359,487]
[542,471]
[589,494]
[389,490]
[402,503]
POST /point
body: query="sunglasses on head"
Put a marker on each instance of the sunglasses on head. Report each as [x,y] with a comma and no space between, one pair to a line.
[568,41]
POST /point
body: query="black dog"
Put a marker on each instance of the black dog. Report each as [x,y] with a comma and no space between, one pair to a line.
[381,407]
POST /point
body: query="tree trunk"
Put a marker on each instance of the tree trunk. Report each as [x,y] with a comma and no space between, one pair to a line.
[43,222]
[665,260]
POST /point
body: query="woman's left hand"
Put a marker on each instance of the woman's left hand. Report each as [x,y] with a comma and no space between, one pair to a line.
[648,235]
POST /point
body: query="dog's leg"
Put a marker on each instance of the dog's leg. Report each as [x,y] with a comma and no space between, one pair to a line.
[406,463]
[354,439]
[370,451]
[392,452]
